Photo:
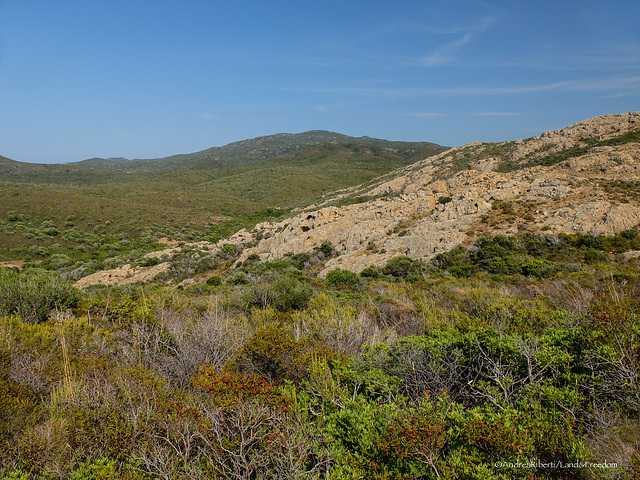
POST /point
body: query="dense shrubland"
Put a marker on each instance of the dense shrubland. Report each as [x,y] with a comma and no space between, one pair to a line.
[76,248]
[512,350]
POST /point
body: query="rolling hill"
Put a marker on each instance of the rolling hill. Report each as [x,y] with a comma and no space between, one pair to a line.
[256,150]
[581,179]
[210,193]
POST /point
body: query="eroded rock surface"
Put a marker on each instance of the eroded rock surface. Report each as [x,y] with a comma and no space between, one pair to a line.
[564,181]
[420,212]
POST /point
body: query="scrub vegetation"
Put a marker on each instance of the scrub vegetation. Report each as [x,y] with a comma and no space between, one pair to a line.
[515,357]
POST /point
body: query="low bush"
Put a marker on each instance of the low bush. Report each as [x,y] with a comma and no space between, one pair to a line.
[285,292]
[237,278]
[402,266]
[370,272]
[33,296]
[342,278]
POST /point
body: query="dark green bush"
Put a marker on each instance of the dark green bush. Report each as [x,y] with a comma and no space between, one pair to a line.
[537,268]
[327,249]
[206,264]
[339,277]
[592,256]
[34,296]
[237,278]
[300,260]
[464,271]
[402,266]
[488,249]
[284,293]
[370,272]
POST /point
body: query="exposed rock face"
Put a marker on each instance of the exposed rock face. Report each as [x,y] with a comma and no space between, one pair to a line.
[421,211]
[123,275]
[127,274]
[453,198]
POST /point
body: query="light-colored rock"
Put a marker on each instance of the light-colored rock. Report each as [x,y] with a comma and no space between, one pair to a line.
[546,188]
[123,275]
[632,255]
[432,206]
[423,215]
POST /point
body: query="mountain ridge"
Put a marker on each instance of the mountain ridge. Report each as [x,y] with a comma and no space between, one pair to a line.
[241,153]
[578,179]
[584,178]
[245,152]
[255,150]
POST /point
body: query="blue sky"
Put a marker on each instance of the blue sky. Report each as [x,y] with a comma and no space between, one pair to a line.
[151,78]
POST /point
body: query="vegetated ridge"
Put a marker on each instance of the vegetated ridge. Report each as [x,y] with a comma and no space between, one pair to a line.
[192,197]
[581,179]
[256,150]
[514,355]
[584,178]
[242,153]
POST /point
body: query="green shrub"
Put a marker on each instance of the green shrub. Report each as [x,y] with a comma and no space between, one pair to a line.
[101,469]
[276,355]
[402,266]
[339,277]
[300,260]
[214,280]
[464,271]
[536,268]
[327,249]
[370,272]
[34,296]
[284,293]
[206,264]
[592,256]
[488,249]
[237,278]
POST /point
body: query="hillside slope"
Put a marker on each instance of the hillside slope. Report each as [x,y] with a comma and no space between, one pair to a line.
[256,150]
[583,178]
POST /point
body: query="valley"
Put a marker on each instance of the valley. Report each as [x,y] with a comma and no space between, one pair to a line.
[320,306]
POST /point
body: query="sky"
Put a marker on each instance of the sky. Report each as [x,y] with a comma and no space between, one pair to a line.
[152,78]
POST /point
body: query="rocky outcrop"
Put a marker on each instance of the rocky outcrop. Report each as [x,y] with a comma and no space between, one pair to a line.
[127,274]
[453,198]
[123,275]
[420,212]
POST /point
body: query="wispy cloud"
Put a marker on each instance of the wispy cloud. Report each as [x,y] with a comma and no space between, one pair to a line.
[208,116]
[615,85]
[496,114]
[447,52]
[422,114]
[474,114]
[320,108]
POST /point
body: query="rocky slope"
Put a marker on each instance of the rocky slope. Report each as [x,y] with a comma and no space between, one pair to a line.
[583,178]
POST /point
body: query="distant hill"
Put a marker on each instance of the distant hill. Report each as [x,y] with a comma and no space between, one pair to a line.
[584,179]
[255,150]
[246,152]
[23,172]
[98,162]
[210,193]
